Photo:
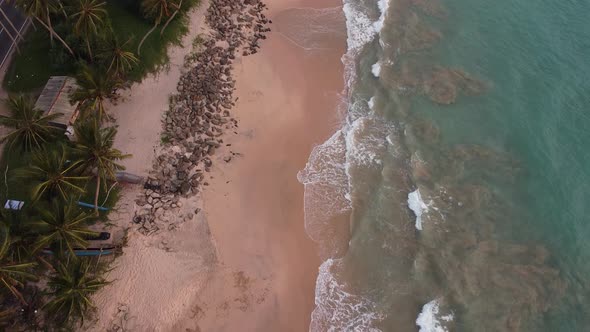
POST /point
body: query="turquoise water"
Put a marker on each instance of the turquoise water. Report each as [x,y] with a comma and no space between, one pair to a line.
[479,124]
[534,53]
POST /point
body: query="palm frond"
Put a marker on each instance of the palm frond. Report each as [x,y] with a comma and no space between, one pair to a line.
[52,174]
[71,287]
[29,127]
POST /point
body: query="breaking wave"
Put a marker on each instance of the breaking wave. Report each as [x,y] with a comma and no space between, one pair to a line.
[337,309]
[328,177]
[431,320]
[359,27]
[383,8]
[418,206]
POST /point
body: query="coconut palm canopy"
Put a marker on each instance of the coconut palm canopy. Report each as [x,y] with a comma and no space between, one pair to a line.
[53,174]
[63,226]
[117,57]
[96,153]
[41,11]
[29,127]
[71,287]
[94,88]
[89,19]
[12,274]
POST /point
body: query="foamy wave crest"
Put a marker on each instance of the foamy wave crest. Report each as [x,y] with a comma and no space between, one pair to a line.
[376,69]
[430,320]
[326,186]
[416,204]
[366,139]
[358,26]
[383,8]
[338,310]
[327,175]
[371,103]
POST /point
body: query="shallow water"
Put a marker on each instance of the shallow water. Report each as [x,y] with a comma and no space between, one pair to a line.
[463,166]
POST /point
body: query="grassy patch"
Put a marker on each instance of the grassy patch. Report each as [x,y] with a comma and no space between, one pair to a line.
[38,59]
[127,24]
[30,70]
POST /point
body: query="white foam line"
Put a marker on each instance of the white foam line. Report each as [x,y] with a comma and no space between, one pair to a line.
[359,27]
[383,8]
[416,204]
[376,69]
[428,319]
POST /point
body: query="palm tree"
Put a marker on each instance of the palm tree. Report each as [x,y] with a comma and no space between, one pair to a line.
[177,7]
[30,128]
[72,287]
[157,10]
[53,174]
[95,86]
[12,274]
[63,225]
[89,19]
[21,236]
[41,11]
[119,59]
[96,152]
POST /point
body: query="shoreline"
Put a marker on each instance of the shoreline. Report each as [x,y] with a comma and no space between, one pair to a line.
[242,260]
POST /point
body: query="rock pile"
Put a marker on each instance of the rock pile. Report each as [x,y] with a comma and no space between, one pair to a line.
[200,112]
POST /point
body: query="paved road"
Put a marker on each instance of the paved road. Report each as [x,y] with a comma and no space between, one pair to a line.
[18,20]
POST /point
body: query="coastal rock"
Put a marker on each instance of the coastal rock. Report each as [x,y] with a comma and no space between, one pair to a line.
[185,188]
[199,112]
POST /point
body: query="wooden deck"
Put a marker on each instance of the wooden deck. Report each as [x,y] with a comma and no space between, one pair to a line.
[55,98]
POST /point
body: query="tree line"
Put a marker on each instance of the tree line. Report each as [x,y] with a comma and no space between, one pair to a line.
[40,291]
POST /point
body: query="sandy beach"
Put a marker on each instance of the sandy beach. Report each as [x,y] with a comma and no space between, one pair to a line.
[244,262]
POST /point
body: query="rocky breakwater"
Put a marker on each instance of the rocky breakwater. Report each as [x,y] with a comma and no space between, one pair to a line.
[199,113]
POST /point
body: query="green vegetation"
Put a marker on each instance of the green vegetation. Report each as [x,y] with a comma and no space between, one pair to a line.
[30,128]
[95,149]
[95,86]
[105,45]
[71,288]
[50,178]
[124,28]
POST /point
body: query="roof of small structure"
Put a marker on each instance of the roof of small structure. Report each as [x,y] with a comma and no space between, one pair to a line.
[55,98]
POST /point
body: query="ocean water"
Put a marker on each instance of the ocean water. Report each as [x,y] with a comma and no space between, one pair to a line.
[456,195]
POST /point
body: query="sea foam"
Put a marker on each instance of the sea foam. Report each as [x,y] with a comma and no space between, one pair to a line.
[416,204]
[339,310]
[376,69]
[327,178]
[358,26]
[383,8]
[371,103]
[326,184]
[429,319]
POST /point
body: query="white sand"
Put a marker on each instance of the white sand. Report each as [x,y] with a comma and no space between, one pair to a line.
[156,276]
